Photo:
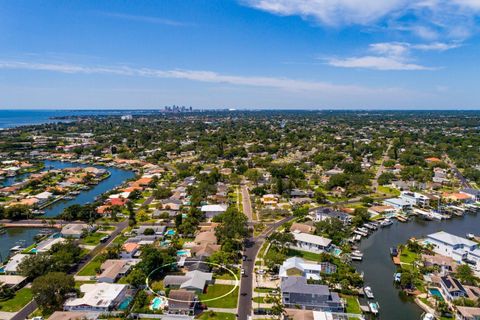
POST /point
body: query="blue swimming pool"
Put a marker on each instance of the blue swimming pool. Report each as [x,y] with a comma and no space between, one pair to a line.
[157,303]
[183,253]
[435,292]
[170,232]
[125,303]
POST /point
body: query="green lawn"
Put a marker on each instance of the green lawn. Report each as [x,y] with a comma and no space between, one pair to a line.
[212,315]
[258,299]
[304,254]
[407,256]
[21,298]
[91,267]
[218,290]
[93,238]
[352,304]
[388,191]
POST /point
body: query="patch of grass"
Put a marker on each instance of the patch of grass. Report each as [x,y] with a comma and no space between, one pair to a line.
[304,254]
[407,256]
[217,290]
[93,238]
[21,298]
[91,267]
[212,315]
[353,306]
[388,191]
[258,299]
[263,290]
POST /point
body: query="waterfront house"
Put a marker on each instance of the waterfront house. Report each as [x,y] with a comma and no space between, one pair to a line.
[12,264]
[451,288]
[99,297]
[48,243]
[415,198]
[192,280]
[297,293]
[310,243]
[458,197]
[296,266]
[386,211]
[475,193]
[12,281]
[324,213]
[398,203]
[76,230]
[212,210]
[182,302]
[467,313]
[458,248]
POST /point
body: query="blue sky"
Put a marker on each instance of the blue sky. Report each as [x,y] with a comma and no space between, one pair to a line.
[240,54]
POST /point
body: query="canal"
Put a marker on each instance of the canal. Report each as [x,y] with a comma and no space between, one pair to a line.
[25,236]
[378,267]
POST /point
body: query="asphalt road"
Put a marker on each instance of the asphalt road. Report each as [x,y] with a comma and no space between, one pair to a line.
[246,203]
[252,247]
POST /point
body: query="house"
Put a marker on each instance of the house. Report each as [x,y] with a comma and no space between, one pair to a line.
[387,211]
[458,197]
[398,203]
[444,263]
[156,229]
[323,213]
[310,243]
[296,193]
[181,302]
[212,210]
[457,248]
[475,193]
[302,227]
[43,197]
[114,269]
[12,264]
[400,185]
[13,281]
[333,172]
[171,204]
[269,199]
[48,243]
[467,313]
[297,293]
[129,250]
[205,249]
[415,198]
[338,191]
[451,288]
[192,280]
[75,230]
[206,237]
[99,297]
[296,266]
[301,314]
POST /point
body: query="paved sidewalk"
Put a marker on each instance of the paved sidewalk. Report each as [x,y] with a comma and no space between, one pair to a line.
[228,282]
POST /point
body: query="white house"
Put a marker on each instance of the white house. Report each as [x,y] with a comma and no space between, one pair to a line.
[458,248]
[296,266]
[415,198]
[75,230]
[12,264]
[212,210]
[311,243]
[99,297]
[398,203]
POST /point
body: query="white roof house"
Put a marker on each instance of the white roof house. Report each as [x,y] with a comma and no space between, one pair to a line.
[451,239]
[310,242]
[47,244]
[43,195]
[74,230]
[455,247]
[97,297]
[12,264]
[308,270]
[212,210]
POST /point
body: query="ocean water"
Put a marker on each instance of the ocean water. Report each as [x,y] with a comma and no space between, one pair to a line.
[15,118]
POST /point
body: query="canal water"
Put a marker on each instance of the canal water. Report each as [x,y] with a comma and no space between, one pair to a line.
[25,236]
[378,267]
[116,178]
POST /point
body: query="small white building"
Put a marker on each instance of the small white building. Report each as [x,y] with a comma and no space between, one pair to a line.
[398,203]
[296,266]
[457,248]
[311,243]
[99,297]
[415,198]
[212,210]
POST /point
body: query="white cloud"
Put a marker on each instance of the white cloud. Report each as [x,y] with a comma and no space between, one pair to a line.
[427,19]
[376,63]
[391,56]
[285,84]
[145,19]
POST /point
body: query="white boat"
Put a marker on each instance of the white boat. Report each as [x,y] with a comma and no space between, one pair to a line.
[374,307]
[397,277]
[385,223]
[428,316]
[368,292]
[356,258]
[470,236]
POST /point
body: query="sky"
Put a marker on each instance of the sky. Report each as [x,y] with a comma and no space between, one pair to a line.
[244,54]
